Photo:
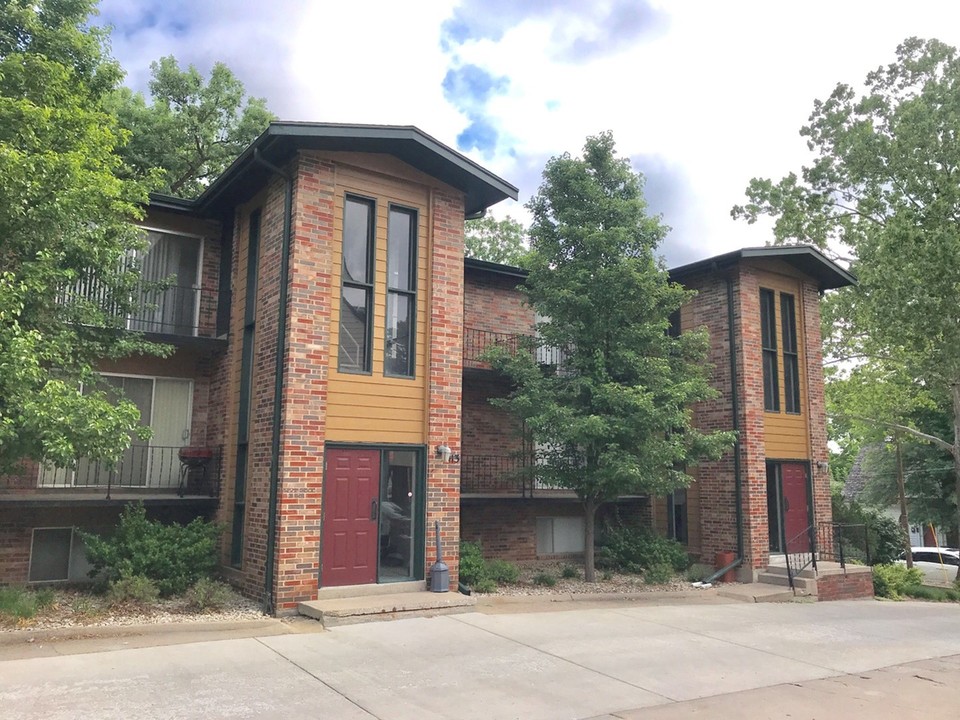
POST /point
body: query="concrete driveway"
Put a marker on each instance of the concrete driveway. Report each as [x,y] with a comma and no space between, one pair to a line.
[615,661]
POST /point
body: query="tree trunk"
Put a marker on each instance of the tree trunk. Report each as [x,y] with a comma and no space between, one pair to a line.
[589,524]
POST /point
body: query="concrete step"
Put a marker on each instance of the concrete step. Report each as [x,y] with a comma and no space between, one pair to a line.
[353,591]
[759,592]
[780,570]
[333,612]
[808,584]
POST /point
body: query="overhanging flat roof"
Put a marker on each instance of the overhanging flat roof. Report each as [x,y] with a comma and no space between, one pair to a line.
[805,258]
[281,140]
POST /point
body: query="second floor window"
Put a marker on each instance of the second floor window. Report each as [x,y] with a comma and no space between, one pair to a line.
[768,335]
[399,348]
[170,296]
[356,285]
[791,357]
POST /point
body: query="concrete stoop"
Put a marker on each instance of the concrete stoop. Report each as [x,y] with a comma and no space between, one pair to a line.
[773,584]
[333,612]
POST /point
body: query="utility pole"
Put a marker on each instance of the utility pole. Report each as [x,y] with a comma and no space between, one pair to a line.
[904,521]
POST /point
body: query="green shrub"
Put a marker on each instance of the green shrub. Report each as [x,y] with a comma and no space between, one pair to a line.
[133,590]
[890,581]
[937,594]
[207,594]
[884,534]
[569,572]
[697,573]
[545,579]
[472,567]
[18,603]
[658,575]
[606,576]
[632,549]
[502,572]
[173,556]
[484,585]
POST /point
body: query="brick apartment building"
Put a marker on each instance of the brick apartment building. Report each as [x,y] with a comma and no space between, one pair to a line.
[329,438]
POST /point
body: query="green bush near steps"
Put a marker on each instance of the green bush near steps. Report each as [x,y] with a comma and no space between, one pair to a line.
[481,575]
[891,581]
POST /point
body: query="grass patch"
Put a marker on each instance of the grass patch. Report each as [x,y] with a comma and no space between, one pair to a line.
[545,579]
[18,603]
[935,594]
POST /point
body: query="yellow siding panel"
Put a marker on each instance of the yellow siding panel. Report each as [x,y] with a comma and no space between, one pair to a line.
[373,407]
[786,435]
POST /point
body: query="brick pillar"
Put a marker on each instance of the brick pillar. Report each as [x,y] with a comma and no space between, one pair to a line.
[445,379]
[816,406]
[297,562]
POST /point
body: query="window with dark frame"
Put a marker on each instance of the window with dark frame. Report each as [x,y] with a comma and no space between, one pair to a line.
[677,528]
[768,334]
[356,285]
[791,357]
[246,390]
[399,346]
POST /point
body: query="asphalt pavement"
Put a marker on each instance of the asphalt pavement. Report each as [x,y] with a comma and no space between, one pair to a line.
[794,660]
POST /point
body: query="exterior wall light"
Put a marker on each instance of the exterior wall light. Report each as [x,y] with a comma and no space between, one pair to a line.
[444,452]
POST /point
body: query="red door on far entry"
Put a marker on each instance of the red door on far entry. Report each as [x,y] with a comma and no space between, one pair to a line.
[350,511]
[796,511]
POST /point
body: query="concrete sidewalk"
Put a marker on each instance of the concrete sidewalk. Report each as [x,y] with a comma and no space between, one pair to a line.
[712,660]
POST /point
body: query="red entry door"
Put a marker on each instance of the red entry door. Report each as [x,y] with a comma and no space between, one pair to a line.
[350,511]
[796,511]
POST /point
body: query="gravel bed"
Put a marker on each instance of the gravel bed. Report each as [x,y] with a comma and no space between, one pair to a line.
[77,608]
[606,583]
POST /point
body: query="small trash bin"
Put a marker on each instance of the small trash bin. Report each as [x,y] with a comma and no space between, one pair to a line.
[722,560]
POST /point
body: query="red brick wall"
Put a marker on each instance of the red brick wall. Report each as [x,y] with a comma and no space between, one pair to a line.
[446,311]
[507,529]
[305,387]
[816,406]
[493,302]
[857,583]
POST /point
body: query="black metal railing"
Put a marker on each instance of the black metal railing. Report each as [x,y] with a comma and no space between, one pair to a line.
[477,342]
[494,474]
[184,470]
[826,542]
[174,310]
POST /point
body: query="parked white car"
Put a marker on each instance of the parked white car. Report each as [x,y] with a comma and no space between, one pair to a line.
[938,565]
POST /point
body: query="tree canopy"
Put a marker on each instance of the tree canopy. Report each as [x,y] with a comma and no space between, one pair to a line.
[65,236]
[613,416]
[882,191]
[191,129]
[499,241]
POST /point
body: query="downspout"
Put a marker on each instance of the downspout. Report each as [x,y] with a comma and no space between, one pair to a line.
[268,598]
[735,401]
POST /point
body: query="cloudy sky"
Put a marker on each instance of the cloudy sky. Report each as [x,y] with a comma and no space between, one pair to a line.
[701,95]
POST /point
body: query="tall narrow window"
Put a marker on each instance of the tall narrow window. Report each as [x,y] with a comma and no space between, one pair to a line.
[791,358]
[356,285]
[677,516]
[400,350]
[246,391]
[768,333]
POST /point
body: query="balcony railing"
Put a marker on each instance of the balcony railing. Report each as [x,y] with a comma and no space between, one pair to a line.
[143,469]
[476,342]
[508,475]
[175,310]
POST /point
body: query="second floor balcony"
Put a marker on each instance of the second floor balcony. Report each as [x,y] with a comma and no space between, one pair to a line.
[477,342]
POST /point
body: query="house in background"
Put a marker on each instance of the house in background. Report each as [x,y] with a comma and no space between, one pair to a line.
[921,534]
[328,403]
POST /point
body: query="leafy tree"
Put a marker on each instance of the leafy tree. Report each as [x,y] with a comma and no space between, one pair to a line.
[882,190]
[64,233]
[191,129]
[614,417]
[499,241]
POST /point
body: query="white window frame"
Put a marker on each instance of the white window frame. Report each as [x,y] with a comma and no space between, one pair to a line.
[33,533]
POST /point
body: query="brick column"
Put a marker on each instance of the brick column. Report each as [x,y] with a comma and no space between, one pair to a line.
[297,564]
[445,378]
